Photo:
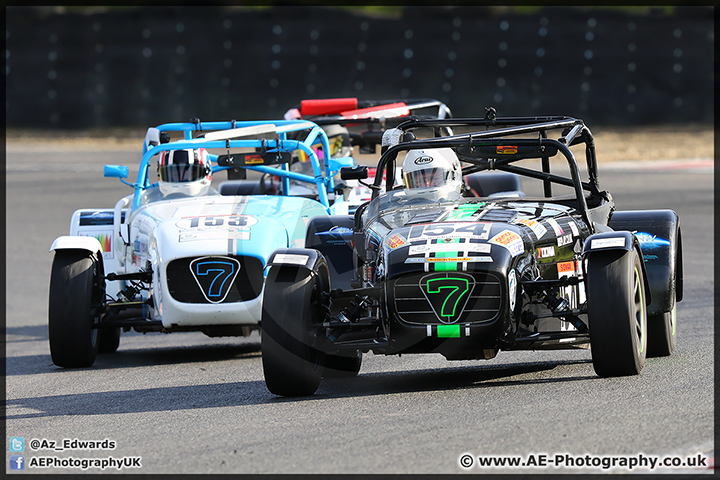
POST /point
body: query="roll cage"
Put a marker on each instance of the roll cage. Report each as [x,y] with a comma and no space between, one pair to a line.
[233,135]
[498,148]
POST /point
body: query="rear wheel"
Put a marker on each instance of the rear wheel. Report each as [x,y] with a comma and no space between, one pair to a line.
[108,340]
[342,366]
[661,333]
[617,314]
[71,320]
[291,303]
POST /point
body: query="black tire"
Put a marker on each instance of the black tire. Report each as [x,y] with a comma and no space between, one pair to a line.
[661,333]
[617,313]
[108,339]
[342,366]
[291,302]
[73,340]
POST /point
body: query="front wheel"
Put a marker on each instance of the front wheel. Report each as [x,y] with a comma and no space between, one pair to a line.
[291,303]
[71,318]
[617,313]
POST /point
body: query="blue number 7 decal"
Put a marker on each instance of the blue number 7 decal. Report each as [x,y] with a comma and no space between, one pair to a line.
[220,272]
[215,276]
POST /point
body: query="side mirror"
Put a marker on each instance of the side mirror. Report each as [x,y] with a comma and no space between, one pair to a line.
[115,171]
[357,172]
[152,137]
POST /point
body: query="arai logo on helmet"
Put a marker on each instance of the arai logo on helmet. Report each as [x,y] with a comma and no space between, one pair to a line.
[424,160]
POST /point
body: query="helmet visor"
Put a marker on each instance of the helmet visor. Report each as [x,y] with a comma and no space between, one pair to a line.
[182,172]
[180,167]
[427,177]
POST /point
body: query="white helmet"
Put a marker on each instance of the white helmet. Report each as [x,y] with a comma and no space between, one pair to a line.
[434,167]
[339,140]
[184,171]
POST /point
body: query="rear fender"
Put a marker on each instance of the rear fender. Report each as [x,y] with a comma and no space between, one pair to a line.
[616,244]
[660,239]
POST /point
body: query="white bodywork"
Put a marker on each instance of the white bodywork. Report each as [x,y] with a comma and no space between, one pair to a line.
[162,230]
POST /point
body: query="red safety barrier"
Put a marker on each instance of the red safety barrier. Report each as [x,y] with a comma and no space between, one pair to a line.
[327,106]
[399,109]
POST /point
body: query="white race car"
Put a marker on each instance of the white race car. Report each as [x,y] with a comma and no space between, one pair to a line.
[178,255]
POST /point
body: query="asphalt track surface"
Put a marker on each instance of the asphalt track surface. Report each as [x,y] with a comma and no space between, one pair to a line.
[186,403]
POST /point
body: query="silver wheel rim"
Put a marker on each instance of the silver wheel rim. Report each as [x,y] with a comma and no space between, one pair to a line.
[640,314]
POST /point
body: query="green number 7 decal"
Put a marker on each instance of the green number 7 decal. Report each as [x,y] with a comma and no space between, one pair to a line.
[448,295]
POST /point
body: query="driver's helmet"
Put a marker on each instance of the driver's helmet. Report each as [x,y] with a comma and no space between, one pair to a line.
[339,140]
[185,172]
[432,167]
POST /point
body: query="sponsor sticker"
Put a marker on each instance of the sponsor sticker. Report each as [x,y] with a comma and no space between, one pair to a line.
[253,159]
[291,258]
[538,229]
[336,232]
[450,247]
[607,242]
[546,252]
[651,242]
[481,259]
[556,227]
[510,240]
[506,150]
[566,268]
[564,240]
[105,238]
[394,242]
[574,228]
[213,235]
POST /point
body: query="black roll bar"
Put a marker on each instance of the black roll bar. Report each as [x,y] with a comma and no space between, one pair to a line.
[574,132]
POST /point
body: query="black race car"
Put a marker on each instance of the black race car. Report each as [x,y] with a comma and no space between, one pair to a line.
[467,271]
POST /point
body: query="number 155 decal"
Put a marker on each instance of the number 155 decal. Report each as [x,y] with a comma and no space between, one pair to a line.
[216,221]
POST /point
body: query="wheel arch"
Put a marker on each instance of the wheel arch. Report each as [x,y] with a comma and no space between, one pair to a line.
[91,245]
[300,262]
[661,246]
[616,244]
